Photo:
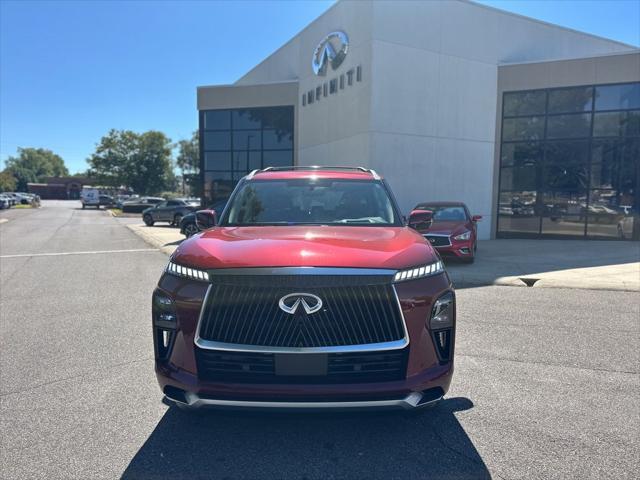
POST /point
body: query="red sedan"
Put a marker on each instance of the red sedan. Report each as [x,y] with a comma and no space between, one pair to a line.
[453,231]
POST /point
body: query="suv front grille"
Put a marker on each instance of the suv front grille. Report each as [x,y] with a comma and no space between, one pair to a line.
[357,310]
[252,367]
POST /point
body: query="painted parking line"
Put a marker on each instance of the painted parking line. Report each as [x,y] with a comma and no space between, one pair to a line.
[95,252]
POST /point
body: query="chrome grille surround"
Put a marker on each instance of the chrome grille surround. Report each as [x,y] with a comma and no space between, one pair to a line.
[383,277]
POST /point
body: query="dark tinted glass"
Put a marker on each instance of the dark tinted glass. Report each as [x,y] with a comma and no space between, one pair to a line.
[521,154]
[246,118]
[217,140]
[566,154]
[217,160]
[562,224]
[247,161]
[569,126]
[277,158]
[277,139]
[616,124]
[518,178]
[308,201]
[217,120]
[618,97]
[524,103]
[277,118]
[517,204]
[247,140]
[569,100]
[446,213]
[524,128]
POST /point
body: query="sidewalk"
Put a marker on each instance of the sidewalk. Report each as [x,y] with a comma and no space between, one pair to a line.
[582,264]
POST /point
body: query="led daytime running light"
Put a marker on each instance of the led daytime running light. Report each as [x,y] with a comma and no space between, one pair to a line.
[192,273]
[419,272]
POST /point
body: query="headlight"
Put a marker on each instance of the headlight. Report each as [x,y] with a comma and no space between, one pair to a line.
[442,312]
[419,272]
[192,273]
[463,236]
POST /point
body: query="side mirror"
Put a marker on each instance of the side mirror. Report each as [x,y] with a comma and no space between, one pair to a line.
[420,219]
[205,219]
[476,218]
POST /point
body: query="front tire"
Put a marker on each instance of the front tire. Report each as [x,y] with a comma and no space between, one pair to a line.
[177,219]
[148,220]
[190,230]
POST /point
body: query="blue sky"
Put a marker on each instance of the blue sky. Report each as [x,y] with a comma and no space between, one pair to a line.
[70,71]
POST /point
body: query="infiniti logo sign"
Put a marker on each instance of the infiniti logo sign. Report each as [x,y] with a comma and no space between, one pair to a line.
[290,303]
[331,50]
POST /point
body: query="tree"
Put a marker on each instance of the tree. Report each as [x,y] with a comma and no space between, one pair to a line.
[188,161]
[33,165]
[141,162]
[7,181]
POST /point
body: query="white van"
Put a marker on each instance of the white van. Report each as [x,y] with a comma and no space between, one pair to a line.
[90,197]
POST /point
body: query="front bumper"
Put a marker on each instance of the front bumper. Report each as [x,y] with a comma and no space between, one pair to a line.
[456,248]
[426,379]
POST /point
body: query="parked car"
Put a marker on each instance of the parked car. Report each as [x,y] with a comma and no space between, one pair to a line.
[170,211]
[453,231]
[11,201]
[4,202]
[107,201]
[140,204]
[188,225]
[310,293]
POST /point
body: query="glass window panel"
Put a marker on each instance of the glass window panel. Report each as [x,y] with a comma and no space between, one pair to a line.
[526,128]
[567,153]
[218,175]
[247,140]
[609,124]
[568,100]
[632,125]
[217,120]
[518,204]
[518,178]
[277,158]
[569,225]
[216,188]
[217,140]
[217,160]
[247,118]
[573,177]
[278,118]
[563,202]
[524,103]
[246,161]
[277,139]
[608,216]
[508,224]
[569,126]
[521,154]
[618,97]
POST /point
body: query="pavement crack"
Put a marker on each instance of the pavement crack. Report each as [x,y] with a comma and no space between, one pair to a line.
[548,364]
[72,377]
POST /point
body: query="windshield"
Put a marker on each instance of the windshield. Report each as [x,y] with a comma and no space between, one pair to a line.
[446,213]
[311,202]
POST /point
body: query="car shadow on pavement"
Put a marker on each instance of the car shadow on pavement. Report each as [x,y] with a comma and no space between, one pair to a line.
[214,444]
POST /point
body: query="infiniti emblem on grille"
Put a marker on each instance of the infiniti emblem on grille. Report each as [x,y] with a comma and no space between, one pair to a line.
[290,303]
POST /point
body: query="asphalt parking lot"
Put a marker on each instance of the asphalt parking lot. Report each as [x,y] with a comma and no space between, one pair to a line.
[546,382]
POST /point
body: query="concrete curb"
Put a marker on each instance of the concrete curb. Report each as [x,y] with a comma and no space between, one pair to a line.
[153,240]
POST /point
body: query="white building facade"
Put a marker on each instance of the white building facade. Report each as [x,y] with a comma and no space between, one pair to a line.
[415,90]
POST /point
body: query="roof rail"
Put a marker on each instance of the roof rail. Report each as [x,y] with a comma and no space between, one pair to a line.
[319,167]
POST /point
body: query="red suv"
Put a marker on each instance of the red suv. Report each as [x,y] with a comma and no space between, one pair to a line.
[309,293]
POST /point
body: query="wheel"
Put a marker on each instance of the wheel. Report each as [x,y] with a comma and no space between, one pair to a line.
[190,229]
[83,206]
[177,218]
[148,220]
[620,232]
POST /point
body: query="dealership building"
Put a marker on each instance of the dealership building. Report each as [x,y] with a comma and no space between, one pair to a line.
[534,126]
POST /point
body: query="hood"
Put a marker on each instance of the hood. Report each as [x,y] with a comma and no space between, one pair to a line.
[447,228]
[305,246]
